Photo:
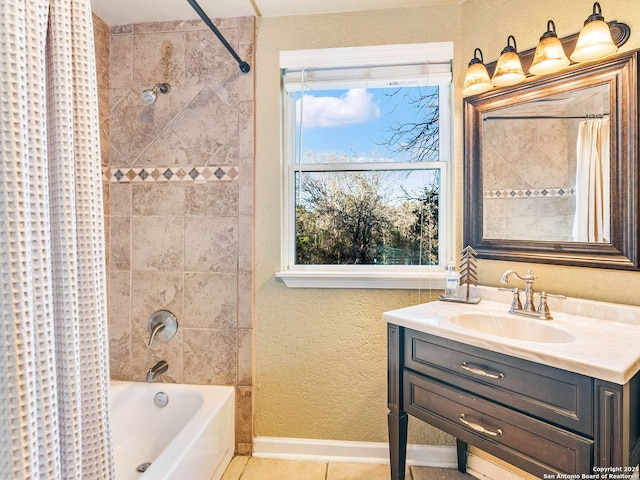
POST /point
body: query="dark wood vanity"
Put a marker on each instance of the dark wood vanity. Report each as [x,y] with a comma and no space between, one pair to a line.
[541,419]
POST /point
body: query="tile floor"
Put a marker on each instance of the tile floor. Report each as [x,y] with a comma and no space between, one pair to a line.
[251,468]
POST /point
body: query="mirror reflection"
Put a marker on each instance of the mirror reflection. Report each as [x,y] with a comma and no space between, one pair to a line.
[546,168]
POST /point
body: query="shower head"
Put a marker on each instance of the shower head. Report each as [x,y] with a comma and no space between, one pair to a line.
[150,94]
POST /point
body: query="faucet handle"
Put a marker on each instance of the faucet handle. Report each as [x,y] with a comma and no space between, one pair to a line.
[543,307]
[515,303]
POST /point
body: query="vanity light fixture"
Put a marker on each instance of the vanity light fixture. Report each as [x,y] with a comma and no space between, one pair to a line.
[549,56]
[477,78]
[508,68]
[595,40]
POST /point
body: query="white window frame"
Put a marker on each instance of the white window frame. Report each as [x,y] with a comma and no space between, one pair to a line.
[432,60]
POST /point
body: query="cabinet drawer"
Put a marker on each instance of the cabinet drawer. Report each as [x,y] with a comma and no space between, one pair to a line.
[560,397]
[525,442]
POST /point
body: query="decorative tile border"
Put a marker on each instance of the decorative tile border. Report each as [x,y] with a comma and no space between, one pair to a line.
[530,193]
[190,173]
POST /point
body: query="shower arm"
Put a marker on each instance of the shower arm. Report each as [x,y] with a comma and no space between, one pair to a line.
[244,66]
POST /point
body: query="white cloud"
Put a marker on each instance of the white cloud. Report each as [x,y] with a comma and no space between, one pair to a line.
[355,106]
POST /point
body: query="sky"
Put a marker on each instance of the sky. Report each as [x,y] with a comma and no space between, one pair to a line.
[355,121]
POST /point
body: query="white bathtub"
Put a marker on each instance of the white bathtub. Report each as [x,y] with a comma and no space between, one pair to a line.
[192,437]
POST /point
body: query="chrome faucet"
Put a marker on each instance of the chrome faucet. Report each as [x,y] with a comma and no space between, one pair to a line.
[158,369]
[528,292]
[529,309]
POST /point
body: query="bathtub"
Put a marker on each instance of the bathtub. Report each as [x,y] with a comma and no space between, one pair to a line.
[191,437]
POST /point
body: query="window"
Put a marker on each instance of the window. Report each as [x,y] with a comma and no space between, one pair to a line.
[367,165]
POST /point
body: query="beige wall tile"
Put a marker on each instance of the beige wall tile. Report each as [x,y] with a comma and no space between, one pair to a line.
[212,199]
[120,199]
[158,58]
[210,141]
[166,149]
[245,243]
[120,61]
[119,243]
[245,356]
[244,413]
[207,61]
[210,300]
[157,243]
[210,356]
[245,300]
[159,199]
[212,244]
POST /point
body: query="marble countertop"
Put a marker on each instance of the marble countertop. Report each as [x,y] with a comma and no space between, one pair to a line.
[605,343]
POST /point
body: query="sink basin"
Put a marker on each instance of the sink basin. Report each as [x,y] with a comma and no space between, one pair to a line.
[513,327]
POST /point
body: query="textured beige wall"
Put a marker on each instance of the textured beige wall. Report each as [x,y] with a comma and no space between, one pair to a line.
[320,355]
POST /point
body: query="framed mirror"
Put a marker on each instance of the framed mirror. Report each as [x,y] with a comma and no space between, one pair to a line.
[551,168]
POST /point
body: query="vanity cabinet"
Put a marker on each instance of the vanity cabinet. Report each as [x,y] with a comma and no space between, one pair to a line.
[541,419]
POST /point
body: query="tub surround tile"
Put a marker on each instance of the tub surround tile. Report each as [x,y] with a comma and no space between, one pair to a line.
[206,59]
[169,26]
[158,57]
[245,243]
[167,146]
[210,300]
[180,194]
[158,243]
[120,199]
[244,414]
[245,300]
[210,356]
[245,356]
[210,142]
[152,291]
[212,244]
[212,199]
[120,60]
[158,200]
[119,243]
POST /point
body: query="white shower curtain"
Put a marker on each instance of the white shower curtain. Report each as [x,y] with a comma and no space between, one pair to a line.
[54,379]
[592,217]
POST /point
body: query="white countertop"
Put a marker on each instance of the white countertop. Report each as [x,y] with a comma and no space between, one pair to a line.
[606,342]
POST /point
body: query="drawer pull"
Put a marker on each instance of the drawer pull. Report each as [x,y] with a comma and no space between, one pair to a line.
[481,372]
[479,428]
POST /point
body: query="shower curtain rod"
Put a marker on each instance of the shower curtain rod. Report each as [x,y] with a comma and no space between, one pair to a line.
[244,66]
[545,117]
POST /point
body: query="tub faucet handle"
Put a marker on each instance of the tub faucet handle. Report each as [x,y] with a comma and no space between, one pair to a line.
[162,327]
[154,331]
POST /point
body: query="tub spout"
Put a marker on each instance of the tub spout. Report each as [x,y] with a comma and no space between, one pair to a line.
[159,368]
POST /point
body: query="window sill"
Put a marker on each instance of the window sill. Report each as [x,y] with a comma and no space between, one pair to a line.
[374,280]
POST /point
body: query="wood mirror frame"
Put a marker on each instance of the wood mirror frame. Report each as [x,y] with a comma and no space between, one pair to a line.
[620,72]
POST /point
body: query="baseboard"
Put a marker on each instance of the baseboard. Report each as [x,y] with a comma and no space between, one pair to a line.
[353,452]
[374,452]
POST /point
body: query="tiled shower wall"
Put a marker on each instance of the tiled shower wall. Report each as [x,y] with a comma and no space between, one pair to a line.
[181,205]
